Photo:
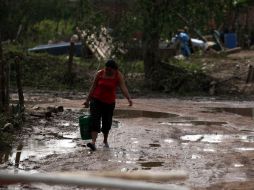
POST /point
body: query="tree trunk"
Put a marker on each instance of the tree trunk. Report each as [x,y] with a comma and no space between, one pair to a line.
[19,84]
[1,80]
[4,98]
[151,55]
[150,40]
[71,54]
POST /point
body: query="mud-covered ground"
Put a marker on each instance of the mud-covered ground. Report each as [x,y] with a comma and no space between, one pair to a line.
[211,139]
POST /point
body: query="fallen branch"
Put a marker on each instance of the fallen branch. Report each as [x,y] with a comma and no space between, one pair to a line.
[138,175]
[91,181]
[233,50]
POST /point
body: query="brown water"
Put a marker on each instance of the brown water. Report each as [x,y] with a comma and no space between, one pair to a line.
[40,145]
[119,113]
[140,140]
[249,112]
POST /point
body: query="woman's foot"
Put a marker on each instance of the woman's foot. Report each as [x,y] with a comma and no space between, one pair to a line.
[106,145]
[91,146]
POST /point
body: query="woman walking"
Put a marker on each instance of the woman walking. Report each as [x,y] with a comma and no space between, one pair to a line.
[101,98]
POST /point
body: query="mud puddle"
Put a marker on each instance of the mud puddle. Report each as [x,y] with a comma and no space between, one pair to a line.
[218,138]
[45,143]
[60,135]
[35,148]
[249,112]
[209,150]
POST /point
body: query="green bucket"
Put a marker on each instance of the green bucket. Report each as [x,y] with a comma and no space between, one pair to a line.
[84,122]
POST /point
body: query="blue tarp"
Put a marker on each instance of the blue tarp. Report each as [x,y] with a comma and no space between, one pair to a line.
[58,49]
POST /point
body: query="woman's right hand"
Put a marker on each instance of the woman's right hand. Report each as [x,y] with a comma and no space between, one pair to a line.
[86,104]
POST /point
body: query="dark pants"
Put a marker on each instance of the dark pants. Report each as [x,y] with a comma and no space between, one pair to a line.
[101,113]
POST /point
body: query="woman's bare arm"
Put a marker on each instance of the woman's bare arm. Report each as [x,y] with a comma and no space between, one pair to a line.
[124,88]
[88,98]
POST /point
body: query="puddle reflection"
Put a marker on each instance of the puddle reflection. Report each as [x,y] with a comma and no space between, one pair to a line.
[249,112]
[185,124]
[5,154]
[245,149]
[194,157]
[238,165]
[141,113]
[208,150]
[124,156]
[64,124]
[168,141]
[35,149]
[193,123]
[18,154]
[217,138]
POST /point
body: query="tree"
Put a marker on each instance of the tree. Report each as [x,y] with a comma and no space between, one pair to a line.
[2,81]
[161,18]
[151,34]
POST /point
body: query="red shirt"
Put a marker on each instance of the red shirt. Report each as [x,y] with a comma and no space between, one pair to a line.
[105,90]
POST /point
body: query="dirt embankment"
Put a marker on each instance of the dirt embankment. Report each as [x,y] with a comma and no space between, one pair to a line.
[231,73]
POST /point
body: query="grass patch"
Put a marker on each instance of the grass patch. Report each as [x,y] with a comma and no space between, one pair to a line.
[43,71]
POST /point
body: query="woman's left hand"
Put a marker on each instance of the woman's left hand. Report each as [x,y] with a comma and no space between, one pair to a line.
[130,102]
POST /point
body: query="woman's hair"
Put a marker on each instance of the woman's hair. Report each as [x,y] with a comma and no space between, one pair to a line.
[112,64]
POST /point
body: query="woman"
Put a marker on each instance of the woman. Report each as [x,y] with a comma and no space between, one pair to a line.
[102,96]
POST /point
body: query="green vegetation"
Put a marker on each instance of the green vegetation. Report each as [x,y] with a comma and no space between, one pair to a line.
[43,71]
[50,30]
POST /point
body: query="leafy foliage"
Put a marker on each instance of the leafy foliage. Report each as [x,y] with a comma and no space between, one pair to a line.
[47,30]
[46,72]
[27,13]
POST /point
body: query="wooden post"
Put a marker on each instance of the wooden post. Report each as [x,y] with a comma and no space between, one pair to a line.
[86,181]
[19,83]
[71,54]
[250,75]
[70,63]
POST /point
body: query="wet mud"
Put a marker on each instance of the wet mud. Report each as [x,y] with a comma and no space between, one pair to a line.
[212,140]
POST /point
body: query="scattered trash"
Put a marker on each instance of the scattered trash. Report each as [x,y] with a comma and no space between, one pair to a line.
[61,48]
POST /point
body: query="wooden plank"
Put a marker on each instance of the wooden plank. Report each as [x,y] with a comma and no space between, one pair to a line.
[233,50]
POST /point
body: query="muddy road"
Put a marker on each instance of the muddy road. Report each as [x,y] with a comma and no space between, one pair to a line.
[211,139]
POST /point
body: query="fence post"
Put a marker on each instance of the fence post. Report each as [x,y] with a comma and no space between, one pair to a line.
[250,75]
[19,84]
